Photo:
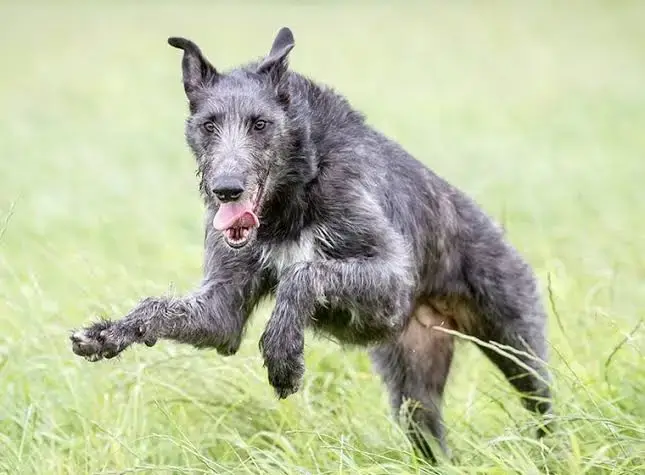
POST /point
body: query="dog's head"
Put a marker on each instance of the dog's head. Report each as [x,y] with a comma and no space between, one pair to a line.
[240,133]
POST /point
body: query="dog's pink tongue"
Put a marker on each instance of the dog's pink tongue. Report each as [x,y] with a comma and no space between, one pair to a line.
[235,215]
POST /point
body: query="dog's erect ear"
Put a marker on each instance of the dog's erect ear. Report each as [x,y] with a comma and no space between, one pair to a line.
[197,71]
[275,63]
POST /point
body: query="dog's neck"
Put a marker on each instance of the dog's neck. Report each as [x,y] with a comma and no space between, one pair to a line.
[288,210]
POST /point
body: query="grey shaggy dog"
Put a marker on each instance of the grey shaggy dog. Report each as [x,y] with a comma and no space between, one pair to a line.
[355,238]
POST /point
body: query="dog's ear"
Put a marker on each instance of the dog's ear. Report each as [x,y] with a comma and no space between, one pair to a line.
[197,70]
[275,63]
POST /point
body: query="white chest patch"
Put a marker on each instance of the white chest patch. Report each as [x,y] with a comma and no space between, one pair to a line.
[280,256]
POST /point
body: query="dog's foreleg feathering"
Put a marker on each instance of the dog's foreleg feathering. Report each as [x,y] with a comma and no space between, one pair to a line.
[377,289]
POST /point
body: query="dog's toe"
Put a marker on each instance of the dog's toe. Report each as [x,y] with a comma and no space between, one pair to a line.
[94,357]
[84,345]
[284,392]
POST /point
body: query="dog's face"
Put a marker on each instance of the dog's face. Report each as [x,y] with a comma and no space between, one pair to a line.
[239,133]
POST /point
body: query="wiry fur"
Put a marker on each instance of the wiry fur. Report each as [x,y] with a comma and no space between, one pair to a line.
[358,240]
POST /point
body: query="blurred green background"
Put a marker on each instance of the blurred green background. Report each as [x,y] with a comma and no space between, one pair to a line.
[536,109]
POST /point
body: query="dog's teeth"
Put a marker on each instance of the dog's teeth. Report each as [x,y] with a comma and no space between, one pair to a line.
[237,236]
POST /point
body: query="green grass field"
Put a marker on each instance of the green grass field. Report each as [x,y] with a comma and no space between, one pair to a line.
[536,110]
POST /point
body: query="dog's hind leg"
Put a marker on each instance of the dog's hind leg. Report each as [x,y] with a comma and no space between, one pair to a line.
[415,369]
[510,313]
[528,375]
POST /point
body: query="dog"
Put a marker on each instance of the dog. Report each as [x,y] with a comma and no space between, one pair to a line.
[356,239]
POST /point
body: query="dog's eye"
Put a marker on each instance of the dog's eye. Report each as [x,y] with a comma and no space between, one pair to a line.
[209,126]
[259,124]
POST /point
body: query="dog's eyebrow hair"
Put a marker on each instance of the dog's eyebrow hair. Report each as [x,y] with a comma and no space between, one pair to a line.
[258,115]
[216,116]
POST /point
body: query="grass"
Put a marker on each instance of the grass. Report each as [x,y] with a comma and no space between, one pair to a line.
[537,110]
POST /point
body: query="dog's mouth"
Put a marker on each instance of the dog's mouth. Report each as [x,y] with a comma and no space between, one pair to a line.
[239,220]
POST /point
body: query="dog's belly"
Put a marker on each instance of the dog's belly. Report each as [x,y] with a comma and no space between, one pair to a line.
[348,327]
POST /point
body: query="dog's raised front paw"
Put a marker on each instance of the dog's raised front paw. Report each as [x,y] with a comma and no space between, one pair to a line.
[99,340]
[285,373]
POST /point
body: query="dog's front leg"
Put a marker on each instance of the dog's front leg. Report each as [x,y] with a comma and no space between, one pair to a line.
[378,287]
[210,317]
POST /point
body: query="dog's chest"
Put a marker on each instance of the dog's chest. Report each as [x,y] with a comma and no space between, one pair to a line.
[279,257]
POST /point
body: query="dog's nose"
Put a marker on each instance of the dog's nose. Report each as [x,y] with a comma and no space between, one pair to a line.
[228,188]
